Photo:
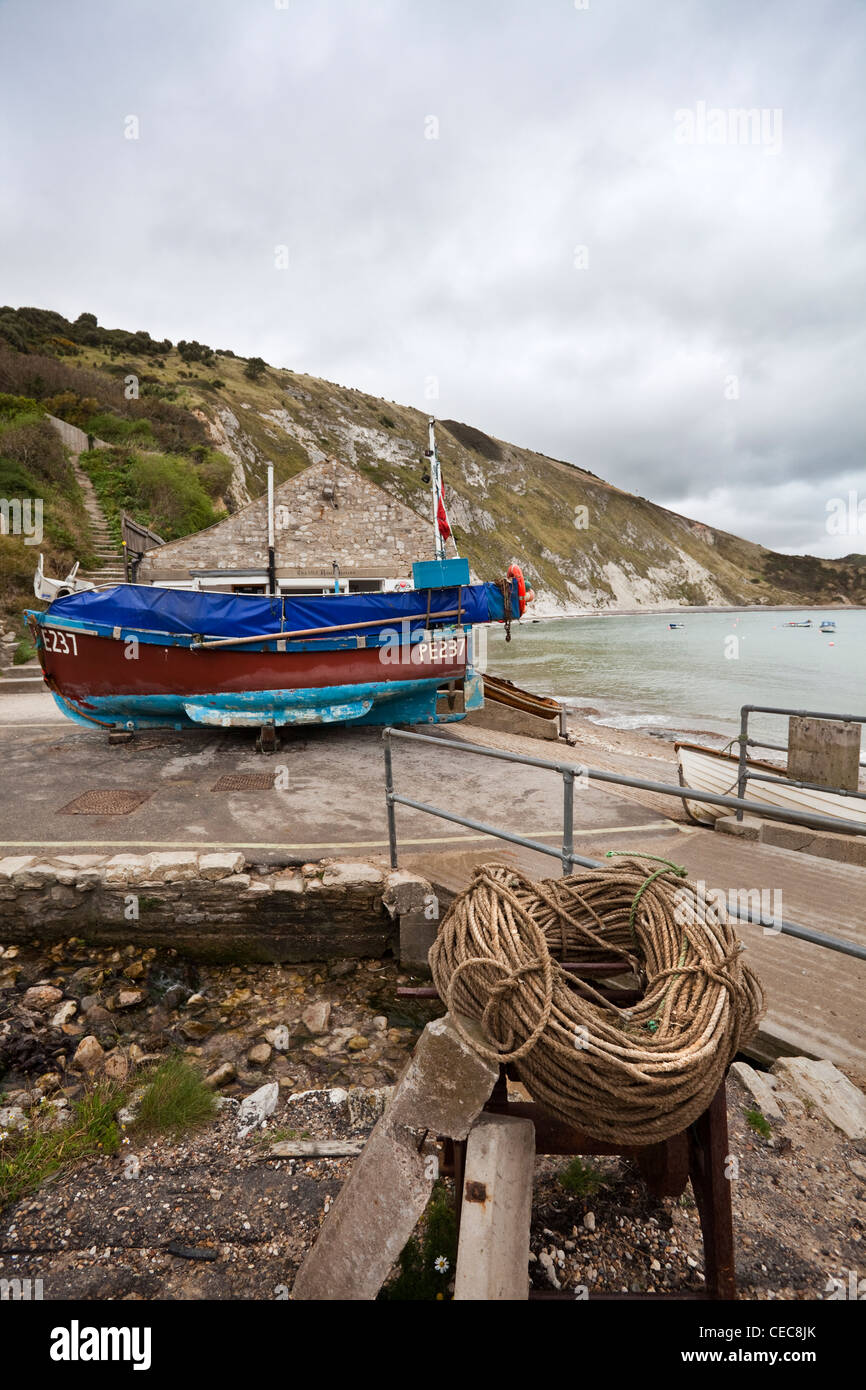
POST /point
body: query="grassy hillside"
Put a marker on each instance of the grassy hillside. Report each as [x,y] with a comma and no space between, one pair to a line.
[202,423]
[34,465]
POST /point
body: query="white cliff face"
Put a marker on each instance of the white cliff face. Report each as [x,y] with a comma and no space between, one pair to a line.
[284,421]
[364,445]
[222,432]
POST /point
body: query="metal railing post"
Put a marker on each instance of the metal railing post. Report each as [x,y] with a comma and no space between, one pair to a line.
[567,821]
[389,800]
[742,773]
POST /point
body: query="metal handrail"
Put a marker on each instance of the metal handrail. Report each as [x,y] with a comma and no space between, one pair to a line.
[566,854]
[743,739]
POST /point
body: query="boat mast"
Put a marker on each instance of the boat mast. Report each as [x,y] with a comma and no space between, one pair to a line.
[436,490]
[272,566]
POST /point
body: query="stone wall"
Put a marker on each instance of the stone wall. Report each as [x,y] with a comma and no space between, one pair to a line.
[208,906]
[368,532]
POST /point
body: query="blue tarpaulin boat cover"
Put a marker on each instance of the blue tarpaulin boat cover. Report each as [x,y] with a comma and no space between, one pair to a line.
[185,612]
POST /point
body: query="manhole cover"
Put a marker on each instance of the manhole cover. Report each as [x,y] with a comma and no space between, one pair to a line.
[245,782]
[107,801]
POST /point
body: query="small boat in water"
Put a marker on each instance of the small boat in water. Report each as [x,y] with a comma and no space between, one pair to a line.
[828,626]
[673,625]
[807,623]
[711,770]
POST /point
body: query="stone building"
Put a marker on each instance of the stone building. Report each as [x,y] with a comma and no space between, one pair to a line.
[328,514]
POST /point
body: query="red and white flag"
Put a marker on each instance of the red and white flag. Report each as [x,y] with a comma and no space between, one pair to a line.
[442,515]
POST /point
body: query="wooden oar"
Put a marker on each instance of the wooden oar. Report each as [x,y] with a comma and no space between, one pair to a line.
[321,631]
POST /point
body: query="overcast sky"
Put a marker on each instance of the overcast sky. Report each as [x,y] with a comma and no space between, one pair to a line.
[544,210]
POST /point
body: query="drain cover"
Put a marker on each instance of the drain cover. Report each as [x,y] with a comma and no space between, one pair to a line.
[107,801]
[245,782]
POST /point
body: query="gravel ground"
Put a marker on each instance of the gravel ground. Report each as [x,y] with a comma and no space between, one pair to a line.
[212,1216]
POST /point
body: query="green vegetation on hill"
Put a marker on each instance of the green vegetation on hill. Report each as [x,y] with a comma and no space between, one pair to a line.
[34,467]
[167,492]
[582,541]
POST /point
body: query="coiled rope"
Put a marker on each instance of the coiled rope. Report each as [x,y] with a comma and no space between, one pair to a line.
[628,1076]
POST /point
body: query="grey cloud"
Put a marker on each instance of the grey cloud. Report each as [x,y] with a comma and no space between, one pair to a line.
[454,257]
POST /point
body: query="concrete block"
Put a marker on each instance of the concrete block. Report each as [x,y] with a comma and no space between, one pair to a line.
[443,1090]
[417,934]
[220,865]
[759,1086]
[171,866]
[508,720]
[826,751]
[33,876]
[351,875]
[125,868]
[749,828]
[12,864]
[292,883]
[405,892]
[846,849]
[828,1090]
[493,1255]
[440,1087]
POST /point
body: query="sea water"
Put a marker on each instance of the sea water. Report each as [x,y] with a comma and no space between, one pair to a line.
[635,672]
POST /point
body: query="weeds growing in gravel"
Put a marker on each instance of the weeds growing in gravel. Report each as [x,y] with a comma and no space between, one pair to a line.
[581,1179]
[29,1156]
[427,1263]
[758,1122]
[175,1099]
[276,1136]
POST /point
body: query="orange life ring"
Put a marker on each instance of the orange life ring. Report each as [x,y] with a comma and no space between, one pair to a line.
[515,572]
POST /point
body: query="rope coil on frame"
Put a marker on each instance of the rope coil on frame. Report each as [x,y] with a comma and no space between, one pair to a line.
[630,1076]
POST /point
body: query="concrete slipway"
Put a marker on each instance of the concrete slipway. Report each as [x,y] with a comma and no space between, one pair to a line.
[329,800]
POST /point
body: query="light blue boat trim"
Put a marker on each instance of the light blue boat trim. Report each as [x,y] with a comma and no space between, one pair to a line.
[381,702]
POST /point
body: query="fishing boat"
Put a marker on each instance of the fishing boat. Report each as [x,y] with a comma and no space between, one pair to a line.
[828,626]
[141,656]
[138,656]
[673,625]
[807,623]
[711,770]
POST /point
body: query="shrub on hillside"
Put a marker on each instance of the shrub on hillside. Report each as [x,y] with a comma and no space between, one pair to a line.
[76,410]
[215,472]
[37,445]
[17,567]
[13,407]
[172,495]
[162,491]
[117,430]
[82,392]
[196,352]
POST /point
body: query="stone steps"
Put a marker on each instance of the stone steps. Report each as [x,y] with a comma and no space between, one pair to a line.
[21,685]
[25,679]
